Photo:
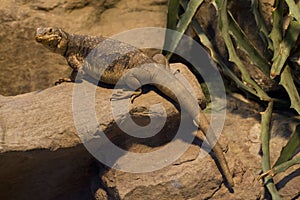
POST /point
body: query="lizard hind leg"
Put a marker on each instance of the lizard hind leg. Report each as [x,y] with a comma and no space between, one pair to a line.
[162,60]
[123,94]
[132,80]
[132,83]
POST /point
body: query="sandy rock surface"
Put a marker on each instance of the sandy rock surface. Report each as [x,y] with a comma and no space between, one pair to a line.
[26,66]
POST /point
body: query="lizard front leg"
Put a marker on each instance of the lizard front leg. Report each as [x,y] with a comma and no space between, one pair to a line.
[75,64]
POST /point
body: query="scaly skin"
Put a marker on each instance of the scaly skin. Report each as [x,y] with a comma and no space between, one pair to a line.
[134,69]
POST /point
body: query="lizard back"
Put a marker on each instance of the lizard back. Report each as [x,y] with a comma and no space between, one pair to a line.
[111,59]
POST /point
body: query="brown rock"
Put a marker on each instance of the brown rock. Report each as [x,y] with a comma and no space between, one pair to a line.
[42,155]
[196,178]
[34,125]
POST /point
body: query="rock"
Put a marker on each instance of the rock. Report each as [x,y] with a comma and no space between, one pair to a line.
[42,156]
[36,68]
[196,178]
[45,174]
[35,129]
[40,147]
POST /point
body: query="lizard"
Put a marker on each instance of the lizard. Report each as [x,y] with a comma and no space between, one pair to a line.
[131,68]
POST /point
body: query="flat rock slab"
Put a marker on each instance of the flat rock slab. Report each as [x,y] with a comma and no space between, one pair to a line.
[45,120]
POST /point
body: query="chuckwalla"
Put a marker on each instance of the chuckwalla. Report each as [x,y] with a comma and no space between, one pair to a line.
[111,61]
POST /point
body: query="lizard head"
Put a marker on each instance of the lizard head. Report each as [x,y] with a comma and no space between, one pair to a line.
[53,38]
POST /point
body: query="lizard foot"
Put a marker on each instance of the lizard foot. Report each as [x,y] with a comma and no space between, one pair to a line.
[123,94]
[62,80]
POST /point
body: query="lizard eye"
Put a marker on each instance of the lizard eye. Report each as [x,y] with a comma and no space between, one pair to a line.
[50,30]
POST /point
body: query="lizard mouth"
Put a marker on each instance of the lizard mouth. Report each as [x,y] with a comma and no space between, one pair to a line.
[47,39]
[38,39]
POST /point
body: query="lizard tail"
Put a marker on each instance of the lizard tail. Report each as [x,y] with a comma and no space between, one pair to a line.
[174,89]
[216,147]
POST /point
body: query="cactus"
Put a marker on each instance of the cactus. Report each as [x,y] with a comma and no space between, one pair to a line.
[279,43]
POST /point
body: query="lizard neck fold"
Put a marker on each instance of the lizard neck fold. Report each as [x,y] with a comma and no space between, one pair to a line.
[62,47]
[67,45]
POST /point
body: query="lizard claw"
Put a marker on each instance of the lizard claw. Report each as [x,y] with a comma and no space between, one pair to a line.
[177,71]
[135,94]
[225,149]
